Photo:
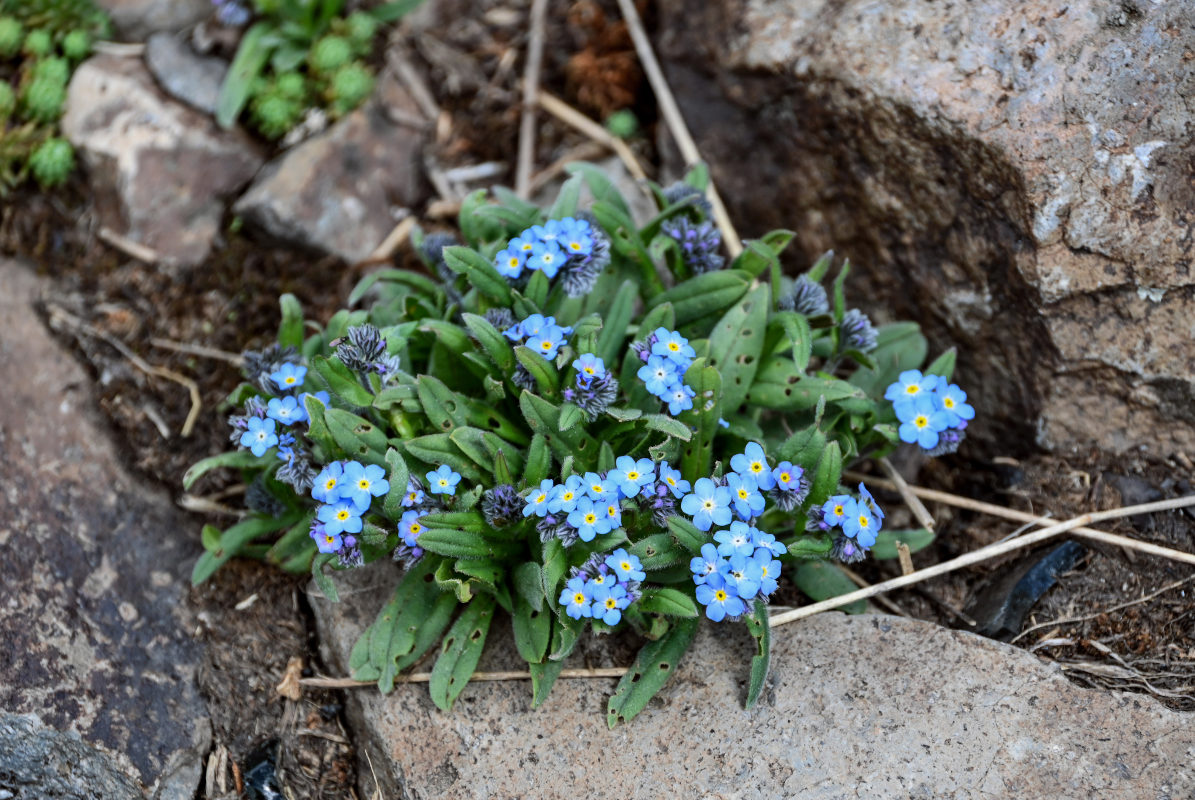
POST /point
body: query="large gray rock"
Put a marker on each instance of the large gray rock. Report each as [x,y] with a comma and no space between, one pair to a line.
[1014,175]
[135,20]
[184,74]
[338,191]
[866,706]
[161,171]
[39,763]
[95,566]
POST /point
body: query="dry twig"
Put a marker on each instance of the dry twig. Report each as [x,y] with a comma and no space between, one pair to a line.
[1086,617]
[198,350]
[61,315]
[675,121]
[920,512]
[583,124]
[535,57]
[983,554]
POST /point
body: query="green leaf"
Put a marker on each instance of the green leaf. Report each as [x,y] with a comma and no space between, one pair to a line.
[915,538]
[543,677]
[439,403]
[543,417]
[566,200]
[532,630]
[944,364]
[460,651]
[431,627]
[487,449]
[899,346]
[398,476]
[527,578]
[809,546]
[782,387]
[357,436]
[457,541]
[756,257]
[398,626]
[322,581]
[543,371]
[704,295]
[696,455]
[539,460]
[251,57]
[796,328]
[624,414]
[652,668]
[600,186]
[820,267]
[477,227]
[617,317]
[495,345]
[570,415]
[659,551]
[686,534]
[804,448]
[236,538]
[394,10]
[736,344]
[669,425]
[839,293]
[438,448]
[449,335]
[669,602]
[821,580]
[555,565]
[290,332]
[211,537]
[606,459]
[241,459]
[761,631]
[829,473]
[421,284]
[341,382]
[537,289]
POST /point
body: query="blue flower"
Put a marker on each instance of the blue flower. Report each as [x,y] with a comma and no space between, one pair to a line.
[537,501]
[920,421]
[523,243]
[679,398]
[745,495]
[326,487]
[708,505]
[589,519]
[287,410]
[769,570]
[260,436]
[861,526]
[787,476]
[321,395]
[340,517]
[576,239]
[672,479]
[289,376]
[509,262]
[719,598]
[871,503]
[672,345]
[600,583]
[706,564]
[910,385]
[613,511]
[609,608]
[576,598]
[546,257]
[753,462]
[325,542]
[361,484]
[736,541]
[414,495]
[631,476]
[564,498]
[742,573]
[766,541]
[659,374]
[837,509]
[546,342]
[953,401]
[409,527]
[548,232]
[626,566]
[443,480]
[588,367]
[598,488]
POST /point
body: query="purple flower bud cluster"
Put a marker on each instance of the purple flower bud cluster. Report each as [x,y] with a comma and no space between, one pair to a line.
[698,242]
[595,388]
[363,350]
[856,332]
[807,297]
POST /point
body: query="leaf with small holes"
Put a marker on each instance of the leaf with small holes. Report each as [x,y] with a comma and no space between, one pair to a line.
[438,448]
[704,295]
[653,666]
[532,630]
[761,632]
[358,437]
[460,651]
[439,403]
[547,379]
[495,345]
[736,344]
[829,473]
[666,601]
[696,454]
[659,551]
[340,381]
[543,417]
[486,449]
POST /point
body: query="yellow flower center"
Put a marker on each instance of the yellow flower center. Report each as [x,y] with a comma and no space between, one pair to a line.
[864,521]
[596,488]
[948,402]
[329,539]
[416,527]
[590,518]
[540,498]
[343,514]
[785,477]
[914,389]
[742,494]
[674,347]
[574,245]
[546,345]
[611,511]
[707,505]
[720,595]
[671,481]
[756,466]
[330,484]
[838,511]
[567,496]
[611,602]
[579,598]
[363,484]
[443,482]
[626,566]
[632,475]
[921,421]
